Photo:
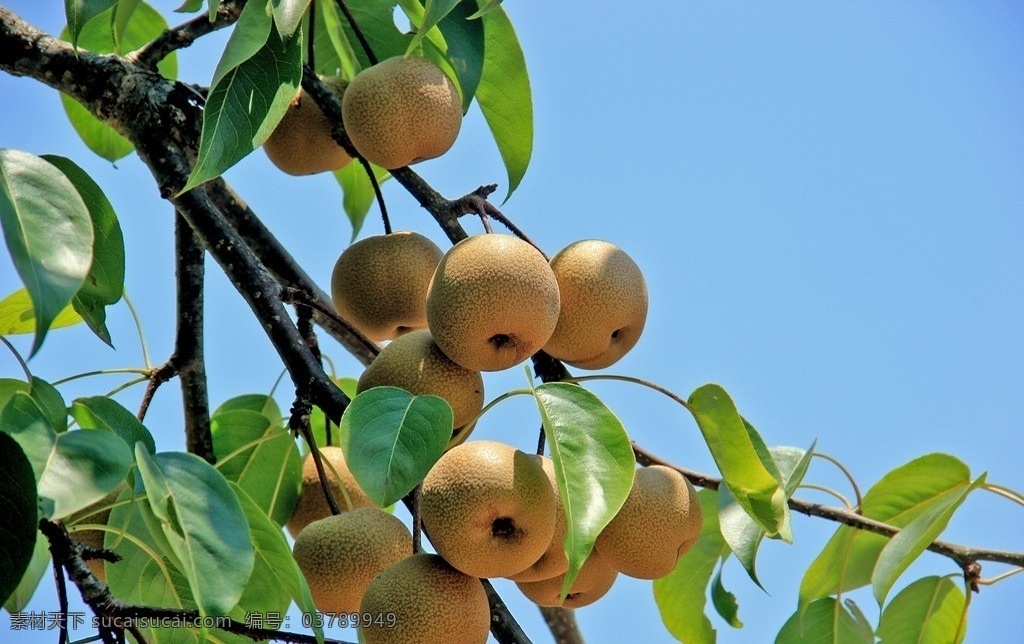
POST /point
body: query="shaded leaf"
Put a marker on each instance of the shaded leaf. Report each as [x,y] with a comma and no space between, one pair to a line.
[245,106]
[203,522]
[740,461]
[18,515]
[905,547]
[104,284]
[486,9]
[51,403]
[824,621]
[124,11]
[392,438]
[248,37]
[190,6]
[904,494]
[682,594]
[593,461]
[505,97]
[11,386]
[376,20]
[79,12]
[927,611]
[724,601]
[288,15]
[18,315]
[318,421]
[259,403]
[261,458]
[358,192]
[465,40]
[97,37]
[433,12]
[334,53]
[48,233]
[100,412]
[37,566]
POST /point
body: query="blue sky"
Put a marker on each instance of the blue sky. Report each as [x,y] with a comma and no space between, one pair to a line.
[827,200]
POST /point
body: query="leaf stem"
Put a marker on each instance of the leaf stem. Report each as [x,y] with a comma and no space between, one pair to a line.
[827,490]
[998,578]
[130,383]
[17,356]
[104,372]
[636,381]
[846,472]
[1005,492]
[138,327]
[504,396]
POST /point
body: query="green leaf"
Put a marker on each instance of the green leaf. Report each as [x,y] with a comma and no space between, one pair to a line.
[682,594]
[245,105]
[203,521]
[739,459]
[248,37]
[927,611]
[392,438]
[504,96]
[904,494]
[486,9]
[104,284]
[741,533]
[97,37]
[18,515]
[334,53]
[905,547]
[376,20]
[73,469]
[124,10]
[190,6]
[9,387]
[465,39]
[434,12]
[318,421]
[594,464]
[51,403]
[261,458]
[79,12]
[276,578]
[358,192]
[259,403]
[37,567]
[825,621]
[100,412]
[724,601]
[288,15]
[18,316]
[48,233]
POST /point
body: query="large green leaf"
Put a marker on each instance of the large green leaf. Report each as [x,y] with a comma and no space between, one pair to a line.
[594,464]
[124,12]
[682,594]
[73,469]
[248,37]
[202,520]
[334,53]
[392,438]
[48,232]
[259,403]
[104,284]
[905,547]
[51,403]
[725,601]
[100,412]
[288,15]
[37,567]
[97,36]
[245,106]
[504,96]
[927,611]
[904,494]
[18,315]
[18,515]
[261,458]
[79,12]
[742,533]
[276,578]
[465,40]
[358,192]
[376,20]
[433,12]
[825,621]
[740,457]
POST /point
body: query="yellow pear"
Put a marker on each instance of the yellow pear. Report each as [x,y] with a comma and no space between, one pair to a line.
[414,363]
[593,582]
[659,522]
[402,110]
[379,284]
[312,505]
[492,303]
[488,508]
[302,143]
[553,562]
[604,304]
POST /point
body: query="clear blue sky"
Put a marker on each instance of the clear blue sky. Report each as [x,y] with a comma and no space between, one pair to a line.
[827,200]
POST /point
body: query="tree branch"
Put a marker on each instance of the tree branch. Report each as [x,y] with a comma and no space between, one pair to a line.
[964,556]
[562,622]
[185,34]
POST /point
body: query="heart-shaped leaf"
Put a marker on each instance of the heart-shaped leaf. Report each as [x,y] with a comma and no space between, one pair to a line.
[826,620]
[392,438]
[100,412]
[928,610]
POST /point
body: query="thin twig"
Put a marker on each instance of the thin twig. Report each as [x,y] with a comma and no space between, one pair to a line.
[358,32]
[298,422]
[378,194]
[185,34]
[297,296]
[562,623]
[846,473]
[157,376]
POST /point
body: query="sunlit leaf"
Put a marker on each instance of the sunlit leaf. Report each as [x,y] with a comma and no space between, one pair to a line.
[79,12]
[51,403]
[593,461]
[248,37]
[465,40]
[288,14]
[927,611]
[392,438]
[358,192]
[825,621]
[124,11]
[18,316]
[259,403]
[504,96]
[434,12]
[100,412]
[725,601]
[682,594]
[48,232]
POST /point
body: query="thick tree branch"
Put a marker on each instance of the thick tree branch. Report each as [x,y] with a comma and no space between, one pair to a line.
[965,556]
[185,34]
[563,626]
